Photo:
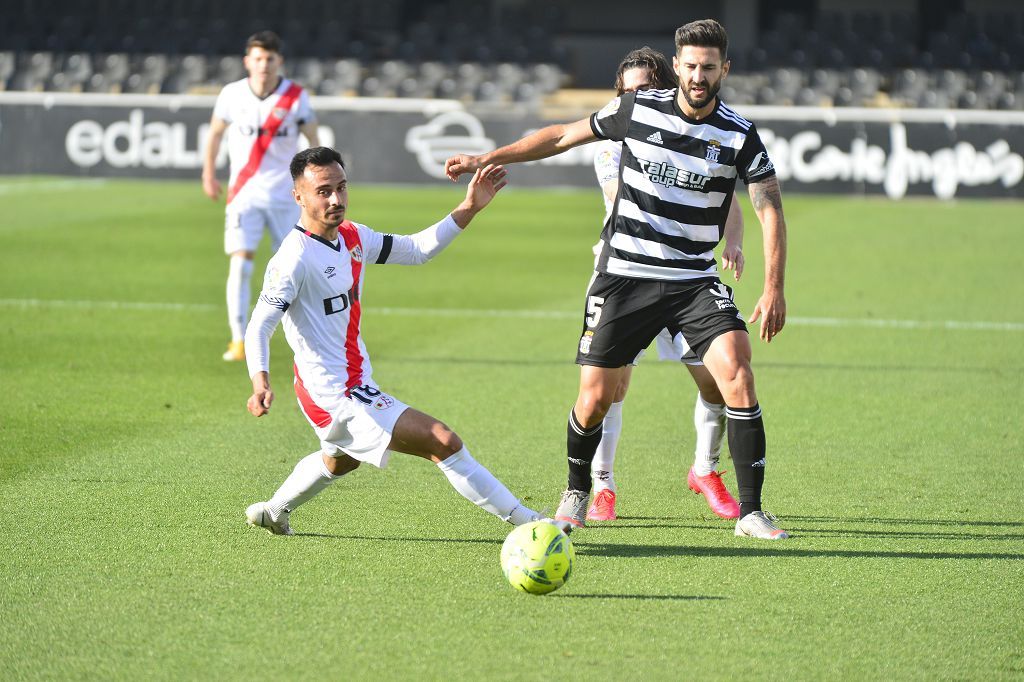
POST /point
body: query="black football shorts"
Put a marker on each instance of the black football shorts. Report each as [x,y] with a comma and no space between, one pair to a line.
[623,316]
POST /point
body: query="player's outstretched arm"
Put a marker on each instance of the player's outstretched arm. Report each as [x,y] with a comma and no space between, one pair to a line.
[482,188]
[771,307]
[732,254]
[549,141]
[262,397]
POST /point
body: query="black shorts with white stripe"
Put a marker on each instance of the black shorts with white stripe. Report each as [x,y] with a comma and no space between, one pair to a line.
[624,315]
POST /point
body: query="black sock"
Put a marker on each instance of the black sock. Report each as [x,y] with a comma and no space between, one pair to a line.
[747,447]
[581,445]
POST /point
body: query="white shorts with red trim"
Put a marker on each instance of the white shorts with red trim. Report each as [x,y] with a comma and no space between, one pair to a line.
[243,228]
[360,424]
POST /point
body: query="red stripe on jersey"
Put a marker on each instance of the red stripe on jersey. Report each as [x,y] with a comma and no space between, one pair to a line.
[350,233]
[314,412]
[264,138]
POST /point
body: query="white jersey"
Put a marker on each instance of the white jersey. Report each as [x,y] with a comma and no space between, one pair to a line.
[606,166]
[267,182]
[315,285]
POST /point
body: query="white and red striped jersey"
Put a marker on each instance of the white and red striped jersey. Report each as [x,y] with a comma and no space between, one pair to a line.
[262,138]
[315,286]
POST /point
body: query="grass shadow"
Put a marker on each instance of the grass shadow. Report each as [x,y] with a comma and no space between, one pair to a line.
[662,551]
[650,597]
[381,538]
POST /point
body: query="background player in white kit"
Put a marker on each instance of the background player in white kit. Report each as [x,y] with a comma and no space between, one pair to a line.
[314,283]
[263,115]
[646,69]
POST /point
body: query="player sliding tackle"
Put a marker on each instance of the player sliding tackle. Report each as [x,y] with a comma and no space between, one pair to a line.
[682,152]
[314,284]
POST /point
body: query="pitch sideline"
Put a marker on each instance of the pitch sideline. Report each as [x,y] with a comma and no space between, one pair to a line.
[959,325]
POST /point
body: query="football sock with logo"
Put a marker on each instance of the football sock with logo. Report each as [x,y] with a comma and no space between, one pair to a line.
[478,485]
[581,445]
[308,478]
[238,287]
[602,468]
[747,445]
[709,421]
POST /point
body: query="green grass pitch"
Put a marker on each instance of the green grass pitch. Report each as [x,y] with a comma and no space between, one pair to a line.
[892,403]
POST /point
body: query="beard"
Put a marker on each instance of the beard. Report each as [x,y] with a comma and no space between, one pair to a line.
[710,91]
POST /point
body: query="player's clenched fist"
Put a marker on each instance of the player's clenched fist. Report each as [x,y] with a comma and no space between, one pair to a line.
[260,401]
[462,163]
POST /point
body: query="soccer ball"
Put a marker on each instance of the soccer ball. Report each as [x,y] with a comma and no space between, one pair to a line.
[537,557]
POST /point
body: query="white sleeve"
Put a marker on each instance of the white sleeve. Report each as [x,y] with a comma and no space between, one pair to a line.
[264,320]
[281,285]
[304,112]
[606,162]
[416,249]
[222,107]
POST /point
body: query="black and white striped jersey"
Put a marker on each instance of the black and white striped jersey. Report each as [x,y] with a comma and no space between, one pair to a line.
[676,180]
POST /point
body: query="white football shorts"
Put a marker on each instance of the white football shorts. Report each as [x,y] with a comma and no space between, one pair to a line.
[360,424]
[243,228]
[672,348]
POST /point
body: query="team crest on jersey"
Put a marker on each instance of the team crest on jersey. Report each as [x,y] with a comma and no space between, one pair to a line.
[585,341]
[609,108]
[279,112]
[383,402]
[713,150]
[357,253]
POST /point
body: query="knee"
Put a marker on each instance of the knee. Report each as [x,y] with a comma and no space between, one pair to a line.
[447,441]
[710,394]
[592,406]
[340,464]
[737,385]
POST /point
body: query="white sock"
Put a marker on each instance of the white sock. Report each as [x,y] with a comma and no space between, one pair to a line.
[307,479]
[603,466]
[479,486]
[709,420]
[238,294]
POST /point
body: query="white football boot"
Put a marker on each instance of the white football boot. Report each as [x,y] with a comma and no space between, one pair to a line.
[760,524]
[258,515]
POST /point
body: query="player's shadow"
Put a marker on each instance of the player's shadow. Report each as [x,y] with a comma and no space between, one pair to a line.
[397,538]
[662,551]
[846,527]
[641,597]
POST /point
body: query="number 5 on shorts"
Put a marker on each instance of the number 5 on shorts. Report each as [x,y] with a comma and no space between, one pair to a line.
[594,304]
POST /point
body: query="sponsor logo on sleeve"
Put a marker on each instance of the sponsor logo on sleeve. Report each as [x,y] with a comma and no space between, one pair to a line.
[760,165]
[610,108]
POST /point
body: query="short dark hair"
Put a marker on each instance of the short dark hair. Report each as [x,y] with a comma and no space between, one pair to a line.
[314,156]
[648,58]
[268,40]
[703,33]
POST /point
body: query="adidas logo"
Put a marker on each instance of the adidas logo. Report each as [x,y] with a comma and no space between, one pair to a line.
[759,463]
[655,137]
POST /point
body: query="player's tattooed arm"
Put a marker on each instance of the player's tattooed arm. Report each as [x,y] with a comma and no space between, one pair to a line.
[766,197]
[766,193]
